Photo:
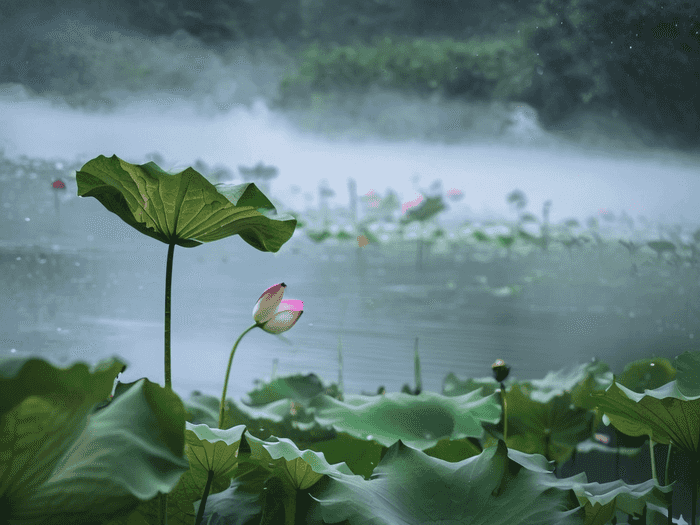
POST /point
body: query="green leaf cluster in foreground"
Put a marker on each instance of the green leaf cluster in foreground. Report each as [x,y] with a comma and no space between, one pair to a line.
[71,453]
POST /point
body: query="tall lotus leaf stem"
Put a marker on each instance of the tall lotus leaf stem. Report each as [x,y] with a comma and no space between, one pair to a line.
[168,380]
[222,406]
[666,481]
[168,288]
[653,460]
[505,413]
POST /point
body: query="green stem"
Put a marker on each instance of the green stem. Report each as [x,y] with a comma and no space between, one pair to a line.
[653,460]
[416,369]
[505,415]
[205,495]
[694,489]
[163,509]
[168,288]
[168,381]
[228,372]
[666,481]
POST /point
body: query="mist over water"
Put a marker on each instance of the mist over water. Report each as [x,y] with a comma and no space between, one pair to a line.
[511,151]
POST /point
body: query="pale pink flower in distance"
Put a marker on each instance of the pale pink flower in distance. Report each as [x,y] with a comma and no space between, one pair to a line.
[411,204]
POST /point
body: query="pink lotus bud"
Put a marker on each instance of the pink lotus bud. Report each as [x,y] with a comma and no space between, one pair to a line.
[275,315]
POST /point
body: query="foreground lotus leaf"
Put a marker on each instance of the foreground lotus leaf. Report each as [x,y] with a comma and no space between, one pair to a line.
[664,413]
[183,209]
[76,463]
[496,487]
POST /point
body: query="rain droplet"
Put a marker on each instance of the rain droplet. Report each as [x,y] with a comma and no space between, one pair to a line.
[27,219]
[13,350]
[369,437]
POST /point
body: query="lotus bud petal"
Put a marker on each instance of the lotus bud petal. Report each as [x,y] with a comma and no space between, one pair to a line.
[266,307]
[288,313]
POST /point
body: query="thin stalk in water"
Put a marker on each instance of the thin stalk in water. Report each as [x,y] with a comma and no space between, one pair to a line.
[340,368]
[416,369]
[222,406]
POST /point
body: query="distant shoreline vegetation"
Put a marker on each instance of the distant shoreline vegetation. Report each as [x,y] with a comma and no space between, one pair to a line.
[640,63]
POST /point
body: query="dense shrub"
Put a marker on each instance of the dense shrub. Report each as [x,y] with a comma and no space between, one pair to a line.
[639,58]
[480,68]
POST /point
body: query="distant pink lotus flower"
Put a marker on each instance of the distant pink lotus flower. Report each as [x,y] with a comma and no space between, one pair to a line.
[59,185]
[454,194]
[273,314]
[411,204]
[373,199]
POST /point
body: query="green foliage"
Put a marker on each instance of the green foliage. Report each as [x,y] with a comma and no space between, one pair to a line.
[425,211]
[185,208]
[67,459]
[622,55]
[479,67]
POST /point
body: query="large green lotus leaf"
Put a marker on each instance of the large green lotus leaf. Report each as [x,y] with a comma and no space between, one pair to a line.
[421,421]
[647,374]
[552,429]
[409,487]
[185,208]
[688,373]
[43,410]
[665,414]
[130,451]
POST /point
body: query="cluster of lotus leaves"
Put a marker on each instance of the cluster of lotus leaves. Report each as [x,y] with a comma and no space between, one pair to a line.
[74,454]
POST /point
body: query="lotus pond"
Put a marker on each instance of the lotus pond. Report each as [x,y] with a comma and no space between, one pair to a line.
[81,446]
